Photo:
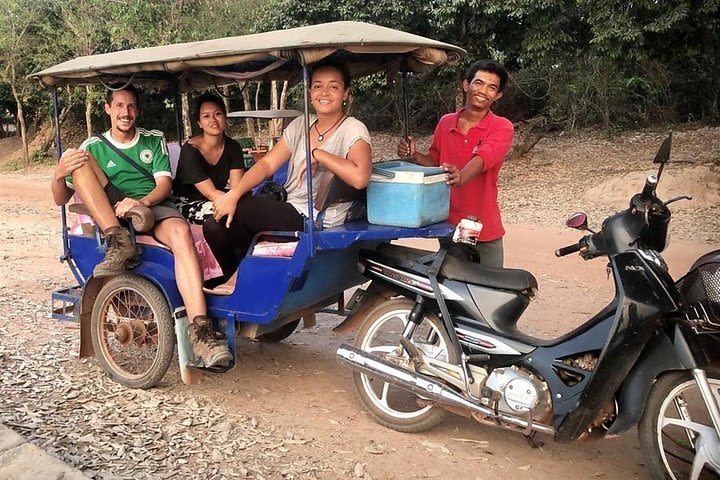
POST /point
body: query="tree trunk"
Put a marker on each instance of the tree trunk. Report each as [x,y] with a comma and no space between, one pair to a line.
[274,103]
[21,122]
[257,103]
[226,97]
[459,97]
[248,106]
[50,141]
[283,101]
[283,95]
[187,129]
[88,111]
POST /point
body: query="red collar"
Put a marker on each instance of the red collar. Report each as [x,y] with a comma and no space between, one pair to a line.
[482,124]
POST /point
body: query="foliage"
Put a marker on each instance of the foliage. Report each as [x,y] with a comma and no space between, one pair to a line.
[40,156]
[578,63]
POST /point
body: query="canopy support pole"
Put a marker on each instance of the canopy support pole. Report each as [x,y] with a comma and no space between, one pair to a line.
[310,220]
[406,129]
[67,255]
[178,114]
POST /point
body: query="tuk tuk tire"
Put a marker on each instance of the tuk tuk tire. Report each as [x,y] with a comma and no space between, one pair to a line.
[280,334]
[154,299]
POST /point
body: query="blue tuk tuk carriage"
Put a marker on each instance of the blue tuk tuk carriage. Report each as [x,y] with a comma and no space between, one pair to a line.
[133,321]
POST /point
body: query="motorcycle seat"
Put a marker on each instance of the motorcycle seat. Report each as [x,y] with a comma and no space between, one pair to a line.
[455,269]
[503,278]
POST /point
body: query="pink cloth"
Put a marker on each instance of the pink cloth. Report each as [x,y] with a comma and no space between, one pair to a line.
[274,249]
[208,263]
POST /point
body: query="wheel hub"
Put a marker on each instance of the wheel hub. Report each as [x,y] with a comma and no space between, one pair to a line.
[135,331]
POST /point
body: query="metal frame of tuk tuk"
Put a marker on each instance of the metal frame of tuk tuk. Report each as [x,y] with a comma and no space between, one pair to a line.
[322,257]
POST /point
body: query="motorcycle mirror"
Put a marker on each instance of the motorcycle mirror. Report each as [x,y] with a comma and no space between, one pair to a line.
[663,155]
[578,221]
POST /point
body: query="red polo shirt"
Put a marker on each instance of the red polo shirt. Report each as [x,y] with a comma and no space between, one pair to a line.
[490,140]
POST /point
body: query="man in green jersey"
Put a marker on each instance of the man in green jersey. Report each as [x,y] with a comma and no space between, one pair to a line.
[110,187]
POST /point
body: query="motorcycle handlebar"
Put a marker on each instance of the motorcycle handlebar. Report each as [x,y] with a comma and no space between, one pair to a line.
[649,189]
[561,252]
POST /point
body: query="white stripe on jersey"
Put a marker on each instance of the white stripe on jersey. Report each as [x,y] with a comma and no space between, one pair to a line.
[156,133]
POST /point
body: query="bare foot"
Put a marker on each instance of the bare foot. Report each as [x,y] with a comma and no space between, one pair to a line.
[226,288]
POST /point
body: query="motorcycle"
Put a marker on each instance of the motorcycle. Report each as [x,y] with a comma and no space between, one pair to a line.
[438,333]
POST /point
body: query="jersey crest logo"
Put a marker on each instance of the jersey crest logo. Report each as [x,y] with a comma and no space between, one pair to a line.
[111,164]
[146,156]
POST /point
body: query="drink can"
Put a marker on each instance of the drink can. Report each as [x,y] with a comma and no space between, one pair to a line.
[467,231]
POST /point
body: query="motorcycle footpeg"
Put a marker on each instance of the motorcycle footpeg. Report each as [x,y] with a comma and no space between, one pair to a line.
[478,358]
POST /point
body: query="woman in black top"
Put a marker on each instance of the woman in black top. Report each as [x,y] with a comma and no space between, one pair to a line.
[209,164]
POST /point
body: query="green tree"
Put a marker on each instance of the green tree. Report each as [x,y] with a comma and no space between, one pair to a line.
[16,48]
[84,32]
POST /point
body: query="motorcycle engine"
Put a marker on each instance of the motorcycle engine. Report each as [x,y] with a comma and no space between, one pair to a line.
[520,392]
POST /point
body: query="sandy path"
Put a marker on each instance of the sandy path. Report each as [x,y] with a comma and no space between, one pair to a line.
[298,386]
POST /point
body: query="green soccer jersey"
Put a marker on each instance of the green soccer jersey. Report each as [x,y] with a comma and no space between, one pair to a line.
[149,151]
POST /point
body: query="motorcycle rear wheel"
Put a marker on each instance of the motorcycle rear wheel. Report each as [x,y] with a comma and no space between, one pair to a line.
[671,450]
[380,334]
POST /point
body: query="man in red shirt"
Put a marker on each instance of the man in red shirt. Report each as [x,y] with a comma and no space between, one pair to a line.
[470,145]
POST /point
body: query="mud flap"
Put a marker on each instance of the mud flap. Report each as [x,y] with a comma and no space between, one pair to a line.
[375,294]
[186,357]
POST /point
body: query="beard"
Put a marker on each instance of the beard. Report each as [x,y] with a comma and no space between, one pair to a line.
[121,126]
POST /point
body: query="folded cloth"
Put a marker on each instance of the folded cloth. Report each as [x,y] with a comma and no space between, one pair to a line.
[274,249]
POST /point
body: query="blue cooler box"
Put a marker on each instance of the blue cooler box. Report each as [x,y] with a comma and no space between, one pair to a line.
[402,194]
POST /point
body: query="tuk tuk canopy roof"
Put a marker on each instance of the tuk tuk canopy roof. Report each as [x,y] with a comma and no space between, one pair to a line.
[276,55]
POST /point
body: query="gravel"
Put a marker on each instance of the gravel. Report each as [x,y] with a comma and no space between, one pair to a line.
[71,409]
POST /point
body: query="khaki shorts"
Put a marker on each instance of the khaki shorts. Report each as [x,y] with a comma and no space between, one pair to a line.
[160,212]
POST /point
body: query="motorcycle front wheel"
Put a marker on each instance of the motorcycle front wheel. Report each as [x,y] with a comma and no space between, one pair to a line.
[380,335]
[676,433]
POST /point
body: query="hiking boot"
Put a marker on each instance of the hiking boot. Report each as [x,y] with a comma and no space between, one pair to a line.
[209,346]
[121,253]
[141,217]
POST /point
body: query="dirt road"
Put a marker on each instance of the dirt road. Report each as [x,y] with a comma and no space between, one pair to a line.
[294,389]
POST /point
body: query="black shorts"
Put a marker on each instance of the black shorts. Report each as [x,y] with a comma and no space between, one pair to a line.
[160,212]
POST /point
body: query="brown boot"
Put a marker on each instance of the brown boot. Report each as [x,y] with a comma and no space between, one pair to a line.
[209,346]
[141,217]
[121,253]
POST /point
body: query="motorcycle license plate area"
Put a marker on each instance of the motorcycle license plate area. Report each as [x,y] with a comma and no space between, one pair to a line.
[403,194]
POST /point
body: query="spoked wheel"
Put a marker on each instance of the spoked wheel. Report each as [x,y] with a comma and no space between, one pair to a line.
[380,335]
[676,432]
[132,331]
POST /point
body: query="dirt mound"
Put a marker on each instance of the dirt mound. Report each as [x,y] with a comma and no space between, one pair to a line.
[38,142]
[701,182]
[8,146]
[44,140]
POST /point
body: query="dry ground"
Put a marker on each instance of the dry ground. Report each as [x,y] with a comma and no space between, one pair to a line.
[288,410]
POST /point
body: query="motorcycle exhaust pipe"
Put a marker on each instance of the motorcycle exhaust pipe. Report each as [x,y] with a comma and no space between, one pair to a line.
[424,386]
